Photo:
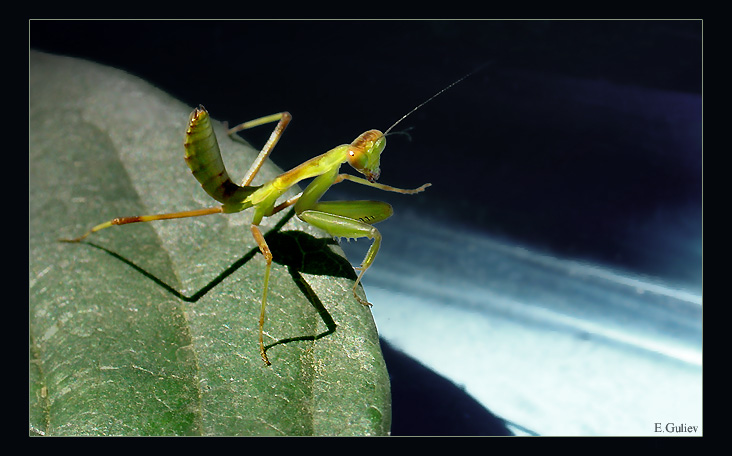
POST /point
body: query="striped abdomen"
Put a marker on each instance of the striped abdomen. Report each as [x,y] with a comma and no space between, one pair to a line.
[203,156]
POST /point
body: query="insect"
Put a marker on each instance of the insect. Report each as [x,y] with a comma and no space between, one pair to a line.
[351,219]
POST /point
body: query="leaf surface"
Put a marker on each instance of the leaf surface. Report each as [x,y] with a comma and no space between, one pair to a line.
[151,328]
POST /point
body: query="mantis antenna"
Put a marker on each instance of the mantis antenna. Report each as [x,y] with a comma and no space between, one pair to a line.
[435,96]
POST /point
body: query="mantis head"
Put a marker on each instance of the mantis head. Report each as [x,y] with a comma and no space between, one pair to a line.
[364,153]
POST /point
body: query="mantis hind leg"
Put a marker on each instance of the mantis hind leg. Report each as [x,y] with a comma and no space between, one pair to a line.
[146,218]
[351,219]
[282,119]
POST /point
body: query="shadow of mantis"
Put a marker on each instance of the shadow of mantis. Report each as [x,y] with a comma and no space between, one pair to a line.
[298,251]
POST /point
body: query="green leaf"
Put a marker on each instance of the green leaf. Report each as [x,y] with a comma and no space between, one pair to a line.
[152,328]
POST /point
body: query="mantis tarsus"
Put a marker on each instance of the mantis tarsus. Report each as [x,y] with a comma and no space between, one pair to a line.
[351,219]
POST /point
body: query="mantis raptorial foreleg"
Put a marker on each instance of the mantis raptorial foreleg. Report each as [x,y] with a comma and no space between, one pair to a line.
[340,226]
[351,219]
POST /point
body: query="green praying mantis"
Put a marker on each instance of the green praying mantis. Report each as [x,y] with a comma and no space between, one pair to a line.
[350,219]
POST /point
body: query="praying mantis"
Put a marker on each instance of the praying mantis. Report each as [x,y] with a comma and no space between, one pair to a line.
[350,219]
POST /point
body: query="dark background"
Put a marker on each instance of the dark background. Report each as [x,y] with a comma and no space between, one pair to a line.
[581,139]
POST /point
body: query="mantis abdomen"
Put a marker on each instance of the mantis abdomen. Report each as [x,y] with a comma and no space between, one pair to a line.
[203,157]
